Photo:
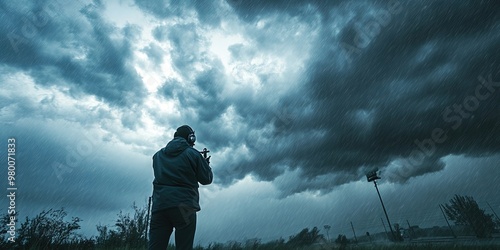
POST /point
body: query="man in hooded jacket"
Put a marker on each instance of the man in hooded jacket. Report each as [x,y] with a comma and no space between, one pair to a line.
[178,168]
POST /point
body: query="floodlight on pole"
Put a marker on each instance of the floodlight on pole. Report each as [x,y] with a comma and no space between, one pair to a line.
[372,176]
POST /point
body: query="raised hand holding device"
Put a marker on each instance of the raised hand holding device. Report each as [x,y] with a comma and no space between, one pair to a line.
[204,152]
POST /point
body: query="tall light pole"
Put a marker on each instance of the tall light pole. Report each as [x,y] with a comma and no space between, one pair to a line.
[372,176]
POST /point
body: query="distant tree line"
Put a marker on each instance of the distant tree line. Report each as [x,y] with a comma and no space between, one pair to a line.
[465,211]
[51,230]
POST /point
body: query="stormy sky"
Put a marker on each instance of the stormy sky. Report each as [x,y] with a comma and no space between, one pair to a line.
[296,100]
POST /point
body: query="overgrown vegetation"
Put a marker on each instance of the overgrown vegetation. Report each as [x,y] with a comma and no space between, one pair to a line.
[47,230]
[129,232]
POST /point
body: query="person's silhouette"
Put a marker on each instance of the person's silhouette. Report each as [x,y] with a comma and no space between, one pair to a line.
[178,168]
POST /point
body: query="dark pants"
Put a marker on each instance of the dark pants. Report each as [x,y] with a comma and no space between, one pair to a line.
[163,222]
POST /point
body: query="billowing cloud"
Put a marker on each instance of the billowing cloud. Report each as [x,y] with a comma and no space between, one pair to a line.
[330,89]
[371,87]
[387,99]
[80,50]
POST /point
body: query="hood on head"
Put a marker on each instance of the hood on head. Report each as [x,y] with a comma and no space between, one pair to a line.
[176,146]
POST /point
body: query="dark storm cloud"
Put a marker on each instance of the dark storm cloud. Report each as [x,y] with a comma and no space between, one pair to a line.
[204,94]
[55,48]
[186,47]
[374,94]
[408,98]
[389,94]
[210,84]
[207,12]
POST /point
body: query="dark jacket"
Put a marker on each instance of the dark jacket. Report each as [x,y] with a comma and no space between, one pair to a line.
[178,168]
